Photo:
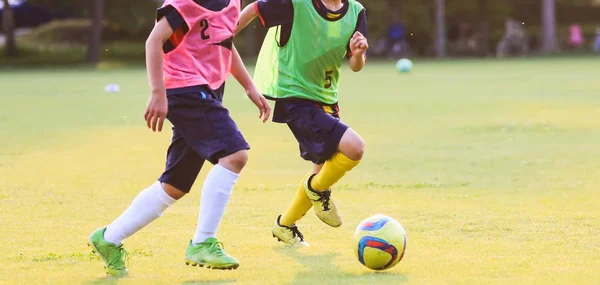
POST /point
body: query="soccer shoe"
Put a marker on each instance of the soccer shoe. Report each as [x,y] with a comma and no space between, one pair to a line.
[114,256]
[288,235]
[323,204]
[210,254]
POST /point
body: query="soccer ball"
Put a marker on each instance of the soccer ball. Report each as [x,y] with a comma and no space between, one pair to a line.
[404,65]
[380,242]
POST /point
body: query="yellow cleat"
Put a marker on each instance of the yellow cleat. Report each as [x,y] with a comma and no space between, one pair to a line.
[288,235]
[323,204]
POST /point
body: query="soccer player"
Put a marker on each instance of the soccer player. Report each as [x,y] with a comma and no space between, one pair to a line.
[299,67]
[189,55]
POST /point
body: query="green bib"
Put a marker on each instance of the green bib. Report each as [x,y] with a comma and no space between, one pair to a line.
[308,66]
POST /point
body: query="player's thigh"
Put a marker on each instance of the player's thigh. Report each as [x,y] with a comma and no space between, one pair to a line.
[352,145]
[183,165]
[210,131]
[317,132]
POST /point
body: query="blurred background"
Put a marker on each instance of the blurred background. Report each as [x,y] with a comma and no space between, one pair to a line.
[62,32]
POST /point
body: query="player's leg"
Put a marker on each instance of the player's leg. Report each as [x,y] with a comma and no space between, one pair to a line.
[350,151]
[284,228]
[216,192]
[319,134]
[318,187]
[300,204]
[204,248]
[182,168]
[324,138]
[213,135]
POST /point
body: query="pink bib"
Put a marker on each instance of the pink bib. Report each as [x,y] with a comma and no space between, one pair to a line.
[203,57]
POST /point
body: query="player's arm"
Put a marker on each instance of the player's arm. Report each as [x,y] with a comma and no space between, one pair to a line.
[271,13]
[246,16]
[238,70]
[156,112]
[358,45]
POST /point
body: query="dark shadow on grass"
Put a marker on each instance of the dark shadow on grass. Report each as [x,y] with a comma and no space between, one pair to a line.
[108,280]
[322,270]
[202,282]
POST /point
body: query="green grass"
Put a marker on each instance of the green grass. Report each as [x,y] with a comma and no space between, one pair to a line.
[491,166]
[34,53]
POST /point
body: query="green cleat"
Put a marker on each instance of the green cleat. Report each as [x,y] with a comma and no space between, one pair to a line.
[113,256]
[210,254]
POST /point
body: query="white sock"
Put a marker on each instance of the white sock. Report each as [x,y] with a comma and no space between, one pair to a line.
[147,207]
[215,196]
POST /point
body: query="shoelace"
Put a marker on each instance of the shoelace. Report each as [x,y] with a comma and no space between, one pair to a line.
[217,249]
[297,232]
[324,198]
[116,263]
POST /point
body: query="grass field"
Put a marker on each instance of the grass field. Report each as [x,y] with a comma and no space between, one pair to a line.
[491,166]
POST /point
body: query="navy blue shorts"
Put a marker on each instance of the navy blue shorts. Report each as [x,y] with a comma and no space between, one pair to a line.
[317,127]
[202,130]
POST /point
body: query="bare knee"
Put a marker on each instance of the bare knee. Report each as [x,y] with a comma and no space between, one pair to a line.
[172,191]
[352,145]
[235,162]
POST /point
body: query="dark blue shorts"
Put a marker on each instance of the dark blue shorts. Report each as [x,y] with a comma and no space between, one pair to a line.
[317,127]
[202,130]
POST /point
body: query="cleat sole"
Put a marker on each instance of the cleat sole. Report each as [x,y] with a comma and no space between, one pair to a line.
[228,267]
[193,264]
[299,244]
[208,266]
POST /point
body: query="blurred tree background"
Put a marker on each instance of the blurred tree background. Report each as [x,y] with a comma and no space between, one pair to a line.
[113,30]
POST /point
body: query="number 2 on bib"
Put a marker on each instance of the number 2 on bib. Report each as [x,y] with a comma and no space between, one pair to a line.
[204,25]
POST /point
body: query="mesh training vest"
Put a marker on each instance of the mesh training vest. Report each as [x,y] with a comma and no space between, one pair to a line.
[308,66]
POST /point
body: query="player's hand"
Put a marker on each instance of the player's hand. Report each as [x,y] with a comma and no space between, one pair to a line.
[261,103]
[156,112]
[358,44]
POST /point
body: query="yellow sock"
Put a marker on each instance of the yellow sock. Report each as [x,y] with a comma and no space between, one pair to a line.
[299,207]
[333,170]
